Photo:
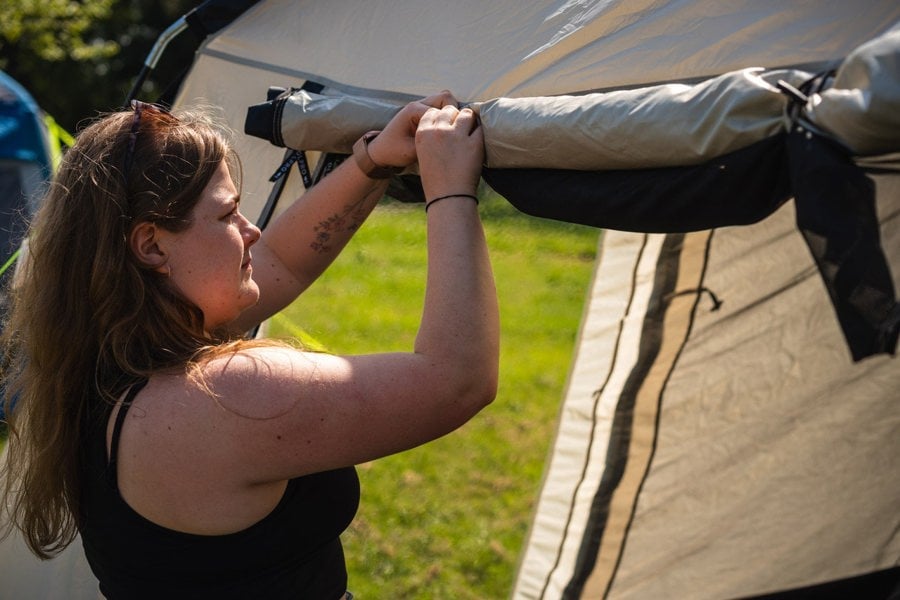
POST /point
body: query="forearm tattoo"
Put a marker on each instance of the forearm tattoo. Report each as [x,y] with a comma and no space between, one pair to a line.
[347,222]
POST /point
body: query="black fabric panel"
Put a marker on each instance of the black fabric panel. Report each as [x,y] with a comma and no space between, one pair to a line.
[880,585]
[836,213]
[666,276]
[739,188]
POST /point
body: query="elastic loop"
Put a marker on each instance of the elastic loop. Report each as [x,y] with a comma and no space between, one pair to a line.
[439,198]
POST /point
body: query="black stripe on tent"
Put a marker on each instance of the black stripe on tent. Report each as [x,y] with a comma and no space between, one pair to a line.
[666,276]
[656,425]
[598,393]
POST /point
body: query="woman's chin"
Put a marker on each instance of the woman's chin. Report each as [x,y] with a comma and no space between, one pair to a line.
[251,295]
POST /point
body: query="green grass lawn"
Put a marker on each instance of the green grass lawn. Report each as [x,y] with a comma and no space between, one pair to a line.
[448,520]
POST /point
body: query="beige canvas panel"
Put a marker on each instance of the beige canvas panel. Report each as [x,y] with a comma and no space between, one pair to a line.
[776,458]
[212,83]
[517,48]
[776,455]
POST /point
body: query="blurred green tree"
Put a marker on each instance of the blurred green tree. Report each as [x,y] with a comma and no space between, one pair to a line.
[79,58]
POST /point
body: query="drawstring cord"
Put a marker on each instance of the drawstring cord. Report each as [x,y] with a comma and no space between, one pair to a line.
[715,299]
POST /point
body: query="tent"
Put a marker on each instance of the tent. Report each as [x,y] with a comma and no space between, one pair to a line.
[728,428]
[25,165]
[30,146]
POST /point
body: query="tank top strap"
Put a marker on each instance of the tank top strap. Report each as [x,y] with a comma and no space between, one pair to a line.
[117,430]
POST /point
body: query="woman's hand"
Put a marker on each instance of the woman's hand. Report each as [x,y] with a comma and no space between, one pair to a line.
[395,146]
[300,244]
[450,148]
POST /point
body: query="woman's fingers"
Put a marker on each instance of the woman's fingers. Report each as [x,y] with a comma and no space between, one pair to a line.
[463,120]
[439,100]
[396,144]
[450,148]
[467,120]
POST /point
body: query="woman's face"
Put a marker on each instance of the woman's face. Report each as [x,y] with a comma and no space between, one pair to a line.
[209,262]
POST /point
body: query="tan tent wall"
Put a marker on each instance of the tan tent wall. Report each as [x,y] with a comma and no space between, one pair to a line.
[760,456]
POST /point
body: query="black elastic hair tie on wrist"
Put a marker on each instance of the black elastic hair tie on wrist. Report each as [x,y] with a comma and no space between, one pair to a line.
[439,198]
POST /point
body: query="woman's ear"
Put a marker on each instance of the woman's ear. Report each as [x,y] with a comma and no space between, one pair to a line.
[144,242]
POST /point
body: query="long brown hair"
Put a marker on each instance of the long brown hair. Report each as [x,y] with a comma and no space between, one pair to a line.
[86,318]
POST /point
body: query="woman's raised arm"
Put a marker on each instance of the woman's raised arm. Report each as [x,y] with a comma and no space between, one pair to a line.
[302,242]
[313,412]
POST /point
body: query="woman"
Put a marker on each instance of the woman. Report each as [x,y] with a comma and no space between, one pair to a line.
[194,463]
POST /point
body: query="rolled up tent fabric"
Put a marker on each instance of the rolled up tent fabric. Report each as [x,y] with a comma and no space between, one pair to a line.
[655,126]
[658,126]
[861,108]
[671,124]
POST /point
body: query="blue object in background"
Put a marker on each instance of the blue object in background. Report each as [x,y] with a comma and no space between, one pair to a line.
[22,134]
[26,164]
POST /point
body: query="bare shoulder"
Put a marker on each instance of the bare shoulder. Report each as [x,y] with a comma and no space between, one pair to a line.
[265,381]
[255,394]
[269,413]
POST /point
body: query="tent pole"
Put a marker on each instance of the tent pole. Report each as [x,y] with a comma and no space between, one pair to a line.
[153,57]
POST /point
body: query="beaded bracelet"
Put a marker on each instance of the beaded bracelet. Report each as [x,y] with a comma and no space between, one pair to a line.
[439,198]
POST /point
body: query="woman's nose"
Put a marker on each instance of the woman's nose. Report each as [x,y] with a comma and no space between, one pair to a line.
[252,233]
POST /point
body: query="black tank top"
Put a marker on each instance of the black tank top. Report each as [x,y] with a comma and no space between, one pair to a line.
[294,552]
